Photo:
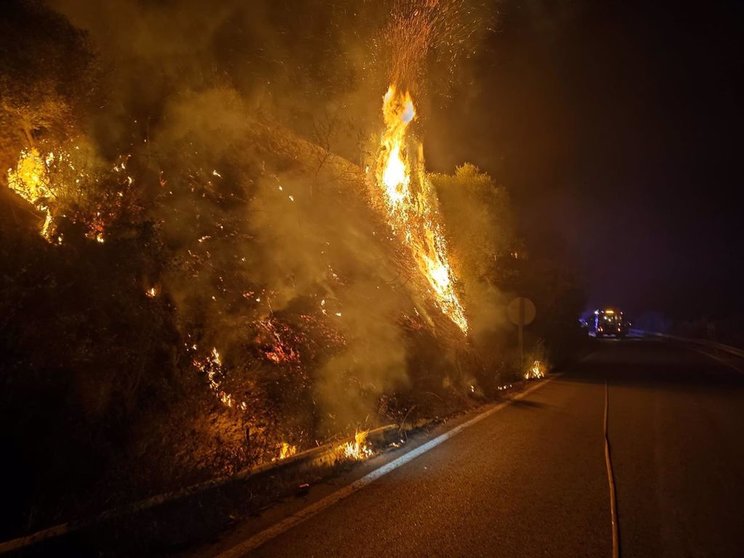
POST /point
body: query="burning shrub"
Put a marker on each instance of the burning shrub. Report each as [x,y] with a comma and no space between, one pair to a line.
[536,363]
[69,184]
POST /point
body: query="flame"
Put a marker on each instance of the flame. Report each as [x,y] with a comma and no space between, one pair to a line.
[357,450]
[62,183]
[411,204]
[212,366]
[287,450]
[30,180]
[535,372]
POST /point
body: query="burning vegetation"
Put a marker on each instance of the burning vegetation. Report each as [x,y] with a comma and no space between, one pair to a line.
[239,260]
[358,449]
[69,188]
[411,203]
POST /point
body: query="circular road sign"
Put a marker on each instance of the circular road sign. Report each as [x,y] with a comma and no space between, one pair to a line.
[521,311]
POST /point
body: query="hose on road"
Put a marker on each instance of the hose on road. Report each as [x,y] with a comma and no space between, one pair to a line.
[611,479]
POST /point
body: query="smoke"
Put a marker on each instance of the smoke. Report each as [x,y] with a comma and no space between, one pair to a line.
[304,63]
[236,116]
[263,228]
[481,232]
[301,63]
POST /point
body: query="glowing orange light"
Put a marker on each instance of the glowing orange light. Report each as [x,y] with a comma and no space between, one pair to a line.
[411,204]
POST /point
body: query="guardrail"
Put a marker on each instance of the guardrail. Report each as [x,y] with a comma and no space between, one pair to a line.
[707,343]
[319,458]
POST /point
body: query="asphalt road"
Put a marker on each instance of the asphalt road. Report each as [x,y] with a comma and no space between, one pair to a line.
[530,480]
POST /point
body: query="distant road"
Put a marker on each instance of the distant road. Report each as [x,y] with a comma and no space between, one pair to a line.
[530,480]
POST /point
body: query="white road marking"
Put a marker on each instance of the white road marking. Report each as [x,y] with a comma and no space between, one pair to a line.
[288,523]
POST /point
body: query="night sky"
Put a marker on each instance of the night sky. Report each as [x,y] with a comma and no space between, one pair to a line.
[617,128]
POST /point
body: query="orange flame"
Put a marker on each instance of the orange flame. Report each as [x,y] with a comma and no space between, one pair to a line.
[30,180]
[357,450]
[535,372]
[412,206]
[287,450]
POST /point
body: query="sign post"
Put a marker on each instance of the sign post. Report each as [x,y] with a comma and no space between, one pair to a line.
[521,312]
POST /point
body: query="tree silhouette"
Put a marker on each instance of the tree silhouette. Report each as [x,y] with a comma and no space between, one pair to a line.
[45,76]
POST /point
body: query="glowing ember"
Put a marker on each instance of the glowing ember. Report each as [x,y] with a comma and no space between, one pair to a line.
[411,204]
[212,367]
[278,340]
[357,450]
[152,292]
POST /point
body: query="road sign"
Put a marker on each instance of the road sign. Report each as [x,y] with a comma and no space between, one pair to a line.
[521,311]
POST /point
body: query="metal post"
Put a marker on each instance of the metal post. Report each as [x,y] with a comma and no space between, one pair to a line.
[521,335]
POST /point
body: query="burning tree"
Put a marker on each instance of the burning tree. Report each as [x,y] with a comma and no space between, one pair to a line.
[48,85]
[411,203]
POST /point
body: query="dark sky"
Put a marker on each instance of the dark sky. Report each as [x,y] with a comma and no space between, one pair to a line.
[617,127]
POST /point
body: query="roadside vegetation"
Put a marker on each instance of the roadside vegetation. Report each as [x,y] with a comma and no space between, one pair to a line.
[192,278]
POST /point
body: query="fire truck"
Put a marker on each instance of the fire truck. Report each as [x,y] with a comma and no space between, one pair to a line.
[608,322]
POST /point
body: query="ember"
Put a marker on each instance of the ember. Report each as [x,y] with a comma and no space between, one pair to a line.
[276,337]
[212,367]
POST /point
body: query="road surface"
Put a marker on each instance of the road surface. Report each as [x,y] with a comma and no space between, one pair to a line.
[531,479]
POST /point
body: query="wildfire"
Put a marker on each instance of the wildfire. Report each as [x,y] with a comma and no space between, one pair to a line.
[30,180]
[357,450]
[65,183]
[411,203]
